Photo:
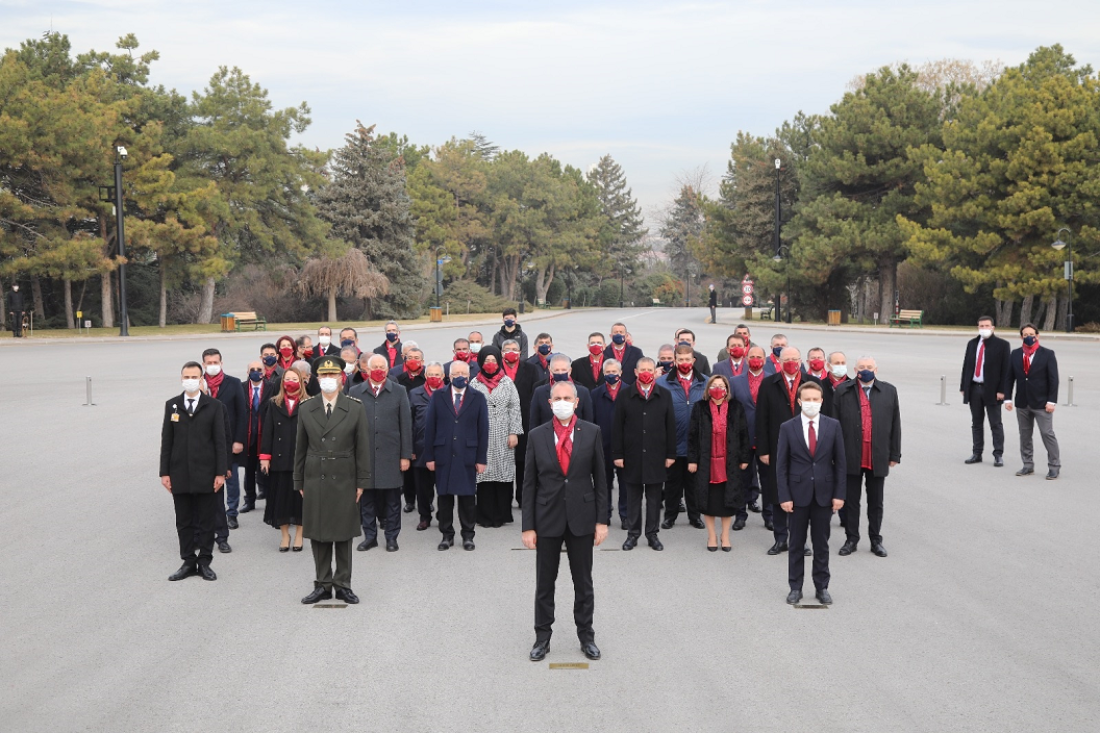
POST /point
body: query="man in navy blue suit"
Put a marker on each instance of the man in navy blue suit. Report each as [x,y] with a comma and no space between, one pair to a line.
[812,480]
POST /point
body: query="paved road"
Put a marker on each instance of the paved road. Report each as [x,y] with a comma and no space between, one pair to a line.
[982,618]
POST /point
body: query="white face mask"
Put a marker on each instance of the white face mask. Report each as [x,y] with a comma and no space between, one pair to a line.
[328,384]
[563,410]
[324,341]
[349,367]
[190,386]
[839,370]
[811,409]
[985,332]
[475,348]
[213,369]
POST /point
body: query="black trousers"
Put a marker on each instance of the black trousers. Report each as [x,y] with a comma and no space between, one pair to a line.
[547,561]
[874,505]
[384,504]
[980,408]
[195,526]
[409,487]
[252,477]
[467,514]
[678,486]
[521,465]
[323,553]
[612,472]
[748,478]
[425,491]
[634,494]
[816,519]
[494,503]
[777,516]
[16,318]
[221,521]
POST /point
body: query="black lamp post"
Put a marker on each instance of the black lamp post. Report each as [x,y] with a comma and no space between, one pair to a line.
[1059,245]
[622,285]
[114,195]
[778,258]
[779,301]
[439,262]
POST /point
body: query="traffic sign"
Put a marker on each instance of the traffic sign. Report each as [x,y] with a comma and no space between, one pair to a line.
[746,300]
[746,288]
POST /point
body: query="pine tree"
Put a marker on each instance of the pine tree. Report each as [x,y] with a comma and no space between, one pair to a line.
[623,229]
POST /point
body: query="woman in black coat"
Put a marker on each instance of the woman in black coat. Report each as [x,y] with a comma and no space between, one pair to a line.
[277,441]
[719,449]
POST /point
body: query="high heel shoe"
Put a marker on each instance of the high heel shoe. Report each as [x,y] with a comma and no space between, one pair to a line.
[297,548]
[712,549]
[727,548]
[284,548]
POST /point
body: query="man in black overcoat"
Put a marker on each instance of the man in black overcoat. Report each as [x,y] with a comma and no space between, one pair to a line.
[525,375]
[984,373]
[15,311]
[228,390]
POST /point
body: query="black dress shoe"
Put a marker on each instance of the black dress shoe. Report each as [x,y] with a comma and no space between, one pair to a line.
[823,597]
[223,546]
[878,549]
[976,458]
[668,523]
[794,597]
[446,543]
[590,650]
[467,545]
[998,462]
[847,548]
[262,496]
[247,507]
[738,524]
[1025,472]
[365,545]
[1052,474]
[682,508]
[752,506]
[777,548]
[391,546]
[319,593]
[539,651]
[207,573]
[769,526]
[347,596]
[409,508]
[186,571]
[631,543]
[806,552]
[424,524]
[624,525]
[232,523]
[656,544]
[698,524]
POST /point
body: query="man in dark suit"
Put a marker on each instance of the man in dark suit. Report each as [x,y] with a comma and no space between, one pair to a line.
[587,371]
[456,447]
[418,405]
[525,376]
[540,359]
[389,421]
[391,347]
[230,392]
[643,444]
[567,504]
[746,390]
[462,353]
[626,354]
[776,404]
[325,347]
[1034,373]
[257,392]
[604,399]
[732,364]
[687,336]
[810,475]
[870,419]
[15,311]
[560,368]
[984,373]
[193,464]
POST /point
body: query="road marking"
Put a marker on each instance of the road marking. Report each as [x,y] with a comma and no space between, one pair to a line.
[330,605]
[569,665]
[810,605]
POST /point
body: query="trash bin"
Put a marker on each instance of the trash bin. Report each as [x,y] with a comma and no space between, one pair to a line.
[229,322]
[435,314]
[834,318]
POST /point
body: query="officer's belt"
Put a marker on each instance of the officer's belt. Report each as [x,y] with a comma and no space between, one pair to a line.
[331,454]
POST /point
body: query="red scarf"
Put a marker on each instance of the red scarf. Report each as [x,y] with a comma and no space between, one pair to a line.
[619,353]
[596,362]
[214,382]
[754,385]
[489,382]
[564,435]
[865,460]
[269,372]
[511,370]
[392,351]
[613,390]
[834,381]
[642,393]
[792,390]
[1029,354]
[718,415]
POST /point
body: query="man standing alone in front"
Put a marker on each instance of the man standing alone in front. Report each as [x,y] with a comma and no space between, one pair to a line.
[985,371]
[565,486]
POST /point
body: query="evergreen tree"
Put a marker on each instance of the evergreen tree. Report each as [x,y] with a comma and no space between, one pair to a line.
[623,227]
[682,229]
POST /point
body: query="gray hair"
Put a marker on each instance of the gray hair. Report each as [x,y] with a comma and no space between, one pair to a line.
[409,345]
[612,362]
[431,364]
[558,358]
[509,342]
[570,385]
[457,363]
[303,366]
[835,353]
[391,323]
[648,360]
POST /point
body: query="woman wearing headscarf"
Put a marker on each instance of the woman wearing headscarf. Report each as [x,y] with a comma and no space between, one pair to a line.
[277,441]
[719,449]
[494,487]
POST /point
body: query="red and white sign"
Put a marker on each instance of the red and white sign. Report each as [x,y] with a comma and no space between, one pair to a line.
[746,300]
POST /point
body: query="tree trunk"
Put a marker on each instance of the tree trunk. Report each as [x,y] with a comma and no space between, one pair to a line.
[1025,308]
[888,278]
[543,279]
[332,304]
[1052,313]
[1035,317]
[70,316]
[206,303]
[162,317]
[107,300]
[1063,313]
[1002,312]
[36,294]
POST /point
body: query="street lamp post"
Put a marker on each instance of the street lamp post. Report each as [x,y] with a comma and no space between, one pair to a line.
[124,316]
[779,301]
[1058,245]
[622,285]
[439,262]
[779,257]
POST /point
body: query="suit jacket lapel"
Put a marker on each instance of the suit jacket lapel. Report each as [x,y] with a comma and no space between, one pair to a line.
[339,412]
[551,446]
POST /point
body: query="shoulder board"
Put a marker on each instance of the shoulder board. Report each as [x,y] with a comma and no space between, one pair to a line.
[307,399]
[354,399]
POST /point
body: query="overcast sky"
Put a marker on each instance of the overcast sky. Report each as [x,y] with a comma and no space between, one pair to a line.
[661,86]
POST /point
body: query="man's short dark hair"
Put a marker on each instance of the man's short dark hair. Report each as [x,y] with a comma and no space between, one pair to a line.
[1032,326]
[545,336]
[345,329]
[987,318]
[211,352]
[686,330]
[810,385]
[508,312]
[192,365]
[267,346]
[740,326]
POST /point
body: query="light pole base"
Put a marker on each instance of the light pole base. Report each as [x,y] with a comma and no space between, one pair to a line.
[435,314]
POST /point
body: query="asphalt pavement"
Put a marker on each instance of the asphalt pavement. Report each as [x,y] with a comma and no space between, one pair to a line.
[983,617]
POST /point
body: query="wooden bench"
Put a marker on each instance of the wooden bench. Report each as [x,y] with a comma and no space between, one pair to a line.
[249,318]
[766,311]
[912,317]
[657,303]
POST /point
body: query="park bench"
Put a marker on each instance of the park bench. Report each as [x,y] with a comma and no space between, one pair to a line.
[912,317]
[657,303]
[250,319]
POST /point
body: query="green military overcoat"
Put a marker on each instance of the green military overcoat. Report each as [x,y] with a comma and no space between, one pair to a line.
[331,460]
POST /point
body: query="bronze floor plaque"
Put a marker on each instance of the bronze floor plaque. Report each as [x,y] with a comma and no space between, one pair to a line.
[810,605]
[330,605]
[569,665]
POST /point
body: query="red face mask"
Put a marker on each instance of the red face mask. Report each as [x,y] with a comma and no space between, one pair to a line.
[434,382]
[286,351]
[378,375]
[511,356]
[292,388]
[791,367]
[717,392]
[307,353]
[412,365]
[685,367]
[756,363]
[737,352]
[817,364]
[595,349]
[646,377]
[490,368]
[462,356]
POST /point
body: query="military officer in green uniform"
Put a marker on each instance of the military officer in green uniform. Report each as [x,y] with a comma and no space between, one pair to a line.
[331,468]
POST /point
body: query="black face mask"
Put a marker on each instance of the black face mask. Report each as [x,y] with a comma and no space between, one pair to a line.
[270,360]
[256,376]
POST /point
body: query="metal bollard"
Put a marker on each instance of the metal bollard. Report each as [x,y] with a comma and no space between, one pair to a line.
[943,390]
[88,385]
[1069,397]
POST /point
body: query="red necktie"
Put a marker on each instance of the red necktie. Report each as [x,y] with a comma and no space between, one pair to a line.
[813,439]
[978,365]
[565,450]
